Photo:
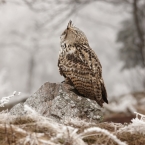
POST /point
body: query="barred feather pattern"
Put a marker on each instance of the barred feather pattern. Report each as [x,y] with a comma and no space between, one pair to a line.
[81,67]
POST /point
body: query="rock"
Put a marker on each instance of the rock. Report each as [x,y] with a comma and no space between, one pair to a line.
[60,102]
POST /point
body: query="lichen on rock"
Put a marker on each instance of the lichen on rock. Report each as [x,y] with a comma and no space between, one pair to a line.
[60,102]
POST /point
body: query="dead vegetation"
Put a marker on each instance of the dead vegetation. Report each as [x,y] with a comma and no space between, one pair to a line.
[34,129]
[34,122]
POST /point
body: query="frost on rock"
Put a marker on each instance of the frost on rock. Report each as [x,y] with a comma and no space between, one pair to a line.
[60,102]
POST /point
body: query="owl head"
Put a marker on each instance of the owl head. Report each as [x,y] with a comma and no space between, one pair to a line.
[73,35]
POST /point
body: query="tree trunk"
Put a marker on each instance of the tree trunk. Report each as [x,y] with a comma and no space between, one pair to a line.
[140,31]
[30,73]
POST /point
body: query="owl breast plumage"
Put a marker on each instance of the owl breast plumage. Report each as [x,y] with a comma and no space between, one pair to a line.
[80,66]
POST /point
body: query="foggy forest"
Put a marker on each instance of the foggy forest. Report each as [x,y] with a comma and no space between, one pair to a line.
[29,47]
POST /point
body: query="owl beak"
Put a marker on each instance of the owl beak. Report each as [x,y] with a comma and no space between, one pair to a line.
[69,24]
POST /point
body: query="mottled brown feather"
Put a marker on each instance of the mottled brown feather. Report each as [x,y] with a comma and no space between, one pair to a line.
[79,64]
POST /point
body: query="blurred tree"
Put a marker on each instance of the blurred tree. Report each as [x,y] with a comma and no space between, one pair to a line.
[4,84]
[29,45]
[132,36]
[28,37]
[2,1]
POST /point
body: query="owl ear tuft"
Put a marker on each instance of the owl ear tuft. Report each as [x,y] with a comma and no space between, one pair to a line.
[70,24]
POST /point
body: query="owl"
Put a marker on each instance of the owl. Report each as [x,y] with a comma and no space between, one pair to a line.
[80,66]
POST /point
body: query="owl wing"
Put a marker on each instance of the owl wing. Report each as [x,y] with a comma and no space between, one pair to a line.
[92,61]
[85,72]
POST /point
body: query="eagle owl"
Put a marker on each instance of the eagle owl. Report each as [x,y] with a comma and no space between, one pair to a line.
[80,66]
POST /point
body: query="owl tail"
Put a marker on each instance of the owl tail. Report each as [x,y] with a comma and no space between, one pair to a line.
[104,92]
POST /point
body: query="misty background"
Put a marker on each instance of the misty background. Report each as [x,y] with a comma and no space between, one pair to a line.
[30,40]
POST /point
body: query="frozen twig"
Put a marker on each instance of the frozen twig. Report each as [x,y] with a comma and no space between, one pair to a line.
[137,125]
[5,100]
[88,131]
